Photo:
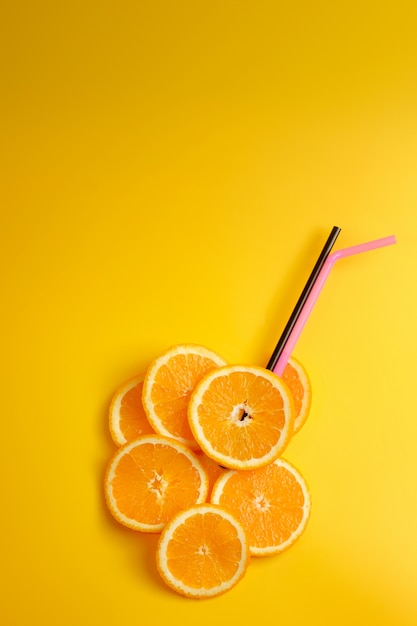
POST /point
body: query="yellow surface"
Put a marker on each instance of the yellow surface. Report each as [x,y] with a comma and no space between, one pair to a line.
[169,173]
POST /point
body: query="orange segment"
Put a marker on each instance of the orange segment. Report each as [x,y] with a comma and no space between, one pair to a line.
[202,552]
[298,382]
[152,478]
[127,418]
[241,416]
[167,387]
[272,504]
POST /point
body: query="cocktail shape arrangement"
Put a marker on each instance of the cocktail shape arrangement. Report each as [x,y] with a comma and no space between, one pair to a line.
[208,474]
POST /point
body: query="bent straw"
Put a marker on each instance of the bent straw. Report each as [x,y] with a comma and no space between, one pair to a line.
[315,292]
[303,297]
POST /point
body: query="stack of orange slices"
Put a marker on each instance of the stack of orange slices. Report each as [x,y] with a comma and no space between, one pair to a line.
[199,461]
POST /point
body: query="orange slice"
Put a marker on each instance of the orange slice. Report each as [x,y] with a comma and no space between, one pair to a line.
[202,552]
[150,479]
[298,382]
[241,416]
[272,504]
[167,387]
[127,418]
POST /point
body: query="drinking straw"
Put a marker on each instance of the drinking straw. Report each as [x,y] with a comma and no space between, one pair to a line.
[303,297]
[315,292]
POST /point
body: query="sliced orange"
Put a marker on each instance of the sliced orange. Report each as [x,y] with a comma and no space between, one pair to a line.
[272,504]
[241,416]
[298,382]
[150,479]
[202,552]
[167,387]
[127,418]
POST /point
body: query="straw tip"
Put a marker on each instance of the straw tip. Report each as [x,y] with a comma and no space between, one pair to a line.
[387,241]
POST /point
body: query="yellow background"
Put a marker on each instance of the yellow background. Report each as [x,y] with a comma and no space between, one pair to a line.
[169,173]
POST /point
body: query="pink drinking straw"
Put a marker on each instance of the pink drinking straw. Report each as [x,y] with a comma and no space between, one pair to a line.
[315,292]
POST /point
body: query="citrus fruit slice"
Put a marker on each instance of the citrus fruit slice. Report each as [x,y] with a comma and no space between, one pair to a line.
[202,552]
[127,418]
[167,387]
[150,479]
[298,382]
[272,504]
[241,416]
